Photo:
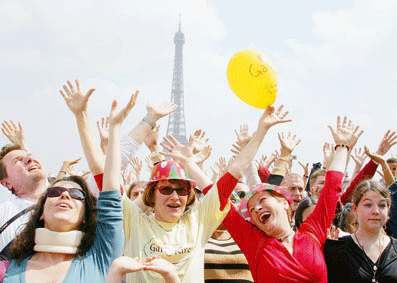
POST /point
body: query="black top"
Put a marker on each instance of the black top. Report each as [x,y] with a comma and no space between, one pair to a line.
[347,262]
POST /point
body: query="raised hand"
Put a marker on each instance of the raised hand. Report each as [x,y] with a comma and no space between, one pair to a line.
[271,117]
[149,163]
[346,133]
[118,118]
[389,139]
[221,165]
[328,152]
[288,142]
[243,136]
[359,157]
[200,141]
[155,112]
[305,168]
[14,133]
[103,129]
[378,158]
[176,150]
[136,165]
[74,98]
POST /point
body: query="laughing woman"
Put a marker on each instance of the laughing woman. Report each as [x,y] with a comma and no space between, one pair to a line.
[274,251]
[68,238]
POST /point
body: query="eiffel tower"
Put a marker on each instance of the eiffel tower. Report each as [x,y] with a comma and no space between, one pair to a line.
[176,120]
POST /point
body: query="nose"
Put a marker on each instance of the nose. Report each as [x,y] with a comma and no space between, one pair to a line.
[65,194]
[174,194]
[258,208]
[28,159]
[375,209]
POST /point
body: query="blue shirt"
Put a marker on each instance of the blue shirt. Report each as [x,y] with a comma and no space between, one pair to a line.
[107,246]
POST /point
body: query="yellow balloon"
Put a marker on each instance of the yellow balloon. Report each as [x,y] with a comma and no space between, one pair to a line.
[253,78]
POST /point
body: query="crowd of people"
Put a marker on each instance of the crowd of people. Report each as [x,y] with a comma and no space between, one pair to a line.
[252,220]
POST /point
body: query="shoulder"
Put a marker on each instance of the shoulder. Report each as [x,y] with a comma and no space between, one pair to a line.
[334,246]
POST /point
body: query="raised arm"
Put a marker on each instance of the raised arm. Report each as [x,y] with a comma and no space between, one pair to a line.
[369,170]
[269,118]
[77,103]
[345,137]
[377,158]
[184,154]
[111,177]
[148,123]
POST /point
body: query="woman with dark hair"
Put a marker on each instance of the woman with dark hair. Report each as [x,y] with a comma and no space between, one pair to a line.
[67,238]
[305,208]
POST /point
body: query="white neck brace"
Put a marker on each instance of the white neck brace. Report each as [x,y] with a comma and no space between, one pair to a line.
[57,242]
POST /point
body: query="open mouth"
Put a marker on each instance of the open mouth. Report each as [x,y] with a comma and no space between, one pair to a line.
[63,205]
[33,168]
[264,217]
[174,206]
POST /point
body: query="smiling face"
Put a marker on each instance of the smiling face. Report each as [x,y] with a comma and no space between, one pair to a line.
[372,211]
[269,213]
[169,208]
[295,187]
[63,213]
[23,170]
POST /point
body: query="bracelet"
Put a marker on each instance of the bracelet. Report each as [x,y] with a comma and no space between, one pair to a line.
[150,122]
[342,145]
[63,171]
[285,158]
[306,176]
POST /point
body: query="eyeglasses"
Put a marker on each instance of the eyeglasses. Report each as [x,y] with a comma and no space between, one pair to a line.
[54,192]
[167,190]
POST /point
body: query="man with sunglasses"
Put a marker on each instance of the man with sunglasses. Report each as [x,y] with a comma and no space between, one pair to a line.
[25,178]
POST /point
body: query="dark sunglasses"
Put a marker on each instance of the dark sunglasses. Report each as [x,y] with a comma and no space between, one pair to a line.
[54,192]
[167,190]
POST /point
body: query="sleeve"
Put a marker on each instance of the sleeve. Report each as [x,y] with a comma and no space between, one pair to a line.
[251,175]
[275,179]
[316,225]
[226,185]
[243,232]
[365,173]
[393,210]
[99,181]
[128,149]
[263,173]
[109,238]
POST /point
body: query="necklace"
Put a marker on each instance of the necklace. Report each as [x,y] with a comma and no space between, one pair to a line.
[375,267]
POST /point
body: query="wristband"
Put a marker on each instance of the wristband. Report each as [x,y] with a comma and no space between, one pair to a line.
[342,145]
[150,122]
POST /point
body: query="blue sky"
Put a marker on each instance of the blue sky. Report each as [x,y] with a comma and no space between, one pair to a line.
[335,58]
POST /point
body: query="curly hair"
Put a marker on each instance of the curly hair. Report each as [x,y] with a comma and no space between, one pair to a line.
[22,246]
